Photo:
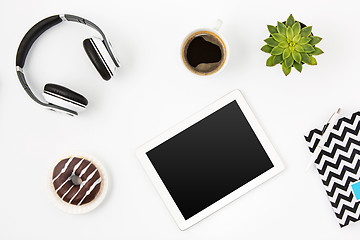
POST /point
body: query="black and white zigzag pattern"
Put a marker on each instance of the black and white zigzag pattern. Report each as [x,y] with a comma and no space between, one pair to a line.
[338,164]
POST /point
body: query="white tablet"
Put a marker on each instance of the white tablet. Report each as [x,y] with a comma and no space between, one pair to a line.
[209,159]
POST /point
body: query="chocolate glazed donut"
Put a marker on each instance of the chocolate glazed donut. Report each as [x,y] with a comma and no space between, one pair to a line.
[76,180]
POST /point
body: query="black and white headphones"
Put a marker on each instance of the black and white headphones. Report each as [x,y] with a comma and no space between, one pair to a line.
[61,98]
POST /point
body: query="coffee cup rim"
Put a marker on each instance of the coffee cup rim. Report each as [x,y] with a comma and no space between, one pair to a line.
[221,38]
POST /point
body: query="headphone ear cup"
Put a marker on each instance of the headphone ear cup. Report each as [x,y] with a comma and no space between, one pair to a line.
[64,97]
[98,57]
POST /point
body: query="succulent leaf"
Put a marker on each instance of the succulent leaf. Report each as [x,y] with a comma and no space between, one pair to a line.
[315,40]
[266,48]
[312,61]
[290,45]
[298,66]
[278,37]
[308,48]
[289,61]
[317,51]
[270,61]
[283,44]
[286,70]
[299,48]
[306,31]
[296,56]
[290,21]
[271,42]
[305,58]
[277,50]
[297,38]
[278,59]
[289,33]
[296,28]
[281,28]
[304,40]
[286,53]
[272,29]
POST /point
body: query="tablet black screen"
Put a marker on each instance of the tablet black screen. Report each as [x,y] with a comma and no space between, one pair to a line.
[210,159]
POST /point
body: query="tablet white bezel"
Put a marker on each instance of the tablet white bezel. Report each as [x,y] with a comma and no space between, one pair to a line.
[161,188]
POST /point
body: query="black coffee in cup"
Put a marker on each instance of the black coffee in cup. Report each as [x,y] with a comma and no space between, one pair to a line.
[204,52]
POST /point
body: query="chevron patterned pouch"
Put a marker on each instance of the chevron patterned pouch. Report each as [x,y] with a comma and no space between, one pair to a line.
[338,164]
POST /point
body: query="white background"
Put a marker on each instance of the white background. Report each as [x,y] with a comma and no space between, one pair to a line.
[152,92]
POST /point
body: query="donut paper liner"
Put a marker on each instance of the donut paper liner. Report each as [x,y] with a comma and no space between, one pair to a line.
[84,208]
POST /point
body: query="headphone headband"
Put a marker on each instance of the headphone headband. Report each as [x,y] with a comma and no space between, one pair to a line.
[35,32]
[39,28]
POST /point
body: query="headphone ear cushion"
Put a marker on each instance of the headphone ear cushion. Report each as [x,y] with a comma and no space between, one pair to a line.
[65,97]
[96,58]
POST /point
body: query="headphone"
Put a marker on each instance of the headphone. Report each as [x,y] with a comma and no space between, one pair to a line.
[60,98]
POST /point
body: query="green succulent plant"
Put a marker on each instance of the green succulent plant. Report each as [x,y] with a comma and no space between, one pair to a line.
[291,45]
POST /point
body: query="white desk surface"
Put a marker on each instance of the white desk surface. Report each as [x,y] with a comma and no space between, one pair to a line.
[152,92]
